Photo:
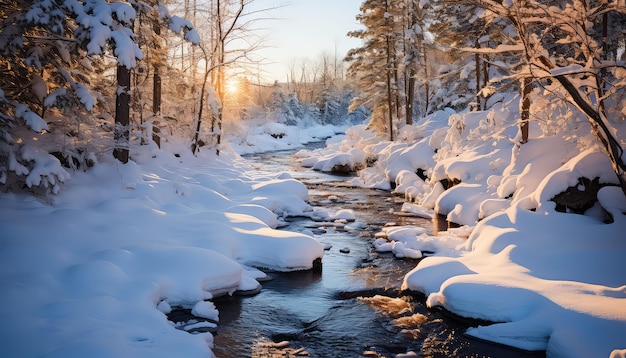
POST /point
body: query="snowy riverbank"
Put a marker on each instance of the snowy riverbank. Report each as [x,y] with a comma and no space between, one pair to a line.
[97,267]
[95,270]
[554,280]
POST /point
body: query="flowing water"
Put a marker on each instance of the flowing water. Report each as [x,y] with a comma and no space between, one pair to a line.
[353,307]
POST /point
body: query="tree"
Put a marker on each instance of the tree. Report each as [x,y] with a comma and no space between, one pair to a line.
[47,51]
[566,43]
[374,65]
[47,44]
[228,22]
[470,34]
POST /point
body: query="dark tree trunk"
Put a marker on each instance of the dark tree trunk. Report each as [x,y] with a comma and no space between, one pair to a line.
[156,106]
[485,79]
[389,105]
[413,50]
[156,85]
[396,91]
[477,65]
[156,89]
[122,115]
[410,96]
[389,74]
[427,81]
[525,107]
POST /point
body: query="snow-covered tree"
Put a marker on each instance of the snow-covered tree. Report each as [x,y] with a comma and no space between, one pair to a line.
[393,68]
[474,69]
[566,49]
[288,109]
[47,48]
[374,65]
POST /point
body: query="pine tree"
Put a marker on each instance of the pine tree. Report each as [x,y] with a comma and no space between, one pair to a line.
[374,65]
[47,50]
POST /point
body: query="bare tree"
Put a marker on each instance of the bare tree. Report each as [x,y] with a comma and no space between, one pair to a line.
[229,22]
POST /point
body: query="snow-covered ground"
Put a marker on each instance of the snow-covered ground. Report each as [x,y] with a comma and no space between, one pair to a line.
[93,271]
[258,135]
[553,281]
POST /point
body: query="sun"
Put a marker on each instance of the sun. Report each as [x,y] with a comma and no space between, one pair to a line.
[232,86]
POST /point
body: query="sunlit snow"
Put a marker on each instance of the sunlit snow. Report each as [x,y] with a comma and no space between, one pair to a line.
[553,281]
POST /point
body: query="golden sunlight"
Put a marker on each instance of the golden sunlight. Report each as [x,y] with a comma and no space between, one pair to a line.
[232,86]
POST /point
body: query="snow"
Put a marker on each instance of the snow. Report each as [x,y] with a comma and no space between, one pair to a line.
[541,278]
[205,309]
[97,267]
[32,119]
[120,245]
[548,280]
[178,24]
[257,135]
[124,13]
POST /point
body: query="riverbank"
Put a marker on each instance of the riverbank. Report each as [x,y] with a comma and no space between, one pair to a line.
[97,268]
[355,307]
[521,262]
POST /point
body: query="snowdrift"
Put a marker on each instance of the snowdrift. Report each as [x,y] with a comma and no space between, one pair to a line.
[548,278]
[97,269]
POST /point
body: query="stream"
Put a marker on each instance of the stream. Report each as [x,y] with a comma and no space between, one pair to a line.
[353,307]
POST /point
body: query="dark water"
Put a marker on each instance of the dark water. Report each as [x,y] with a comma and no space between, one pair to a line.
[347,310]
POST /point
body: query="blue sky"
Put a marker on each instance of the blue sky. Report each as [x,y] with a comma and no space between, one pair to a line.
[305,29]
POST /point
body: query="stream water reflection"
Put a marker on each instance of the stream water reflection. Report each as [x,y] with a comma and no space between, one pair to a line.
[319,314]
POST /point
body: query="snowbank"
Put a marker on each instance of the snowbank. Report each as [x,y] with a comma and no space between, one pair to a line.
[258,135]
[95,271]
[551,280]
[554,283]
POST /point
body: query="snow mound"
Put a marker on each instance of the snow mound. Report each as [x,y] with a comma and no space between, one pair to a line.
[98,269]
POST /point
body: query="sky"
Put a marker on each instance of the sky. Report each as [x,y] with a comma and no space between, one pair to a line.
[306,29]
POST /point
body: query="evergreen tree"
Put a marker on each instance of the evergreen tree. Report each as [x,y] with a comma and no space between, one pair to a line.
[471,33]
[47,48]
[374,65]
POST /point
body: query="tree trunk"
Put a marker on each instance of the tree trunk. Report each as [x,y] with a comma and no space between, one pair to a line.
[122,114]
[525,107]
[156,106]
[195,142]
[477,65]
[389,99]
[220,75]
[389,105]
[426,81]
[410,96]
[156,84]
[485,78]
[409,71]
[396,93]
[156,90]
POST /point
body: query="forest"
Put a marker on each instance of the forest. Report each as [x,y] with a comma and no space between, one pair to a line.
[96,76]
[124,194]
[62,60]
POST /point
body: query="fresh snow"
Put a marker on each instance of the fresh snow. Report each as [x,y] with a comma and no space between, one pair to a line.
[96,268]
[549,280]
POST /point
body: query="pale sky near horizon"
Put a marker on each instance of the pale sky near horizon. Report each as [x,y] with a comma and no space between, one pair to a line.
[306,29]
